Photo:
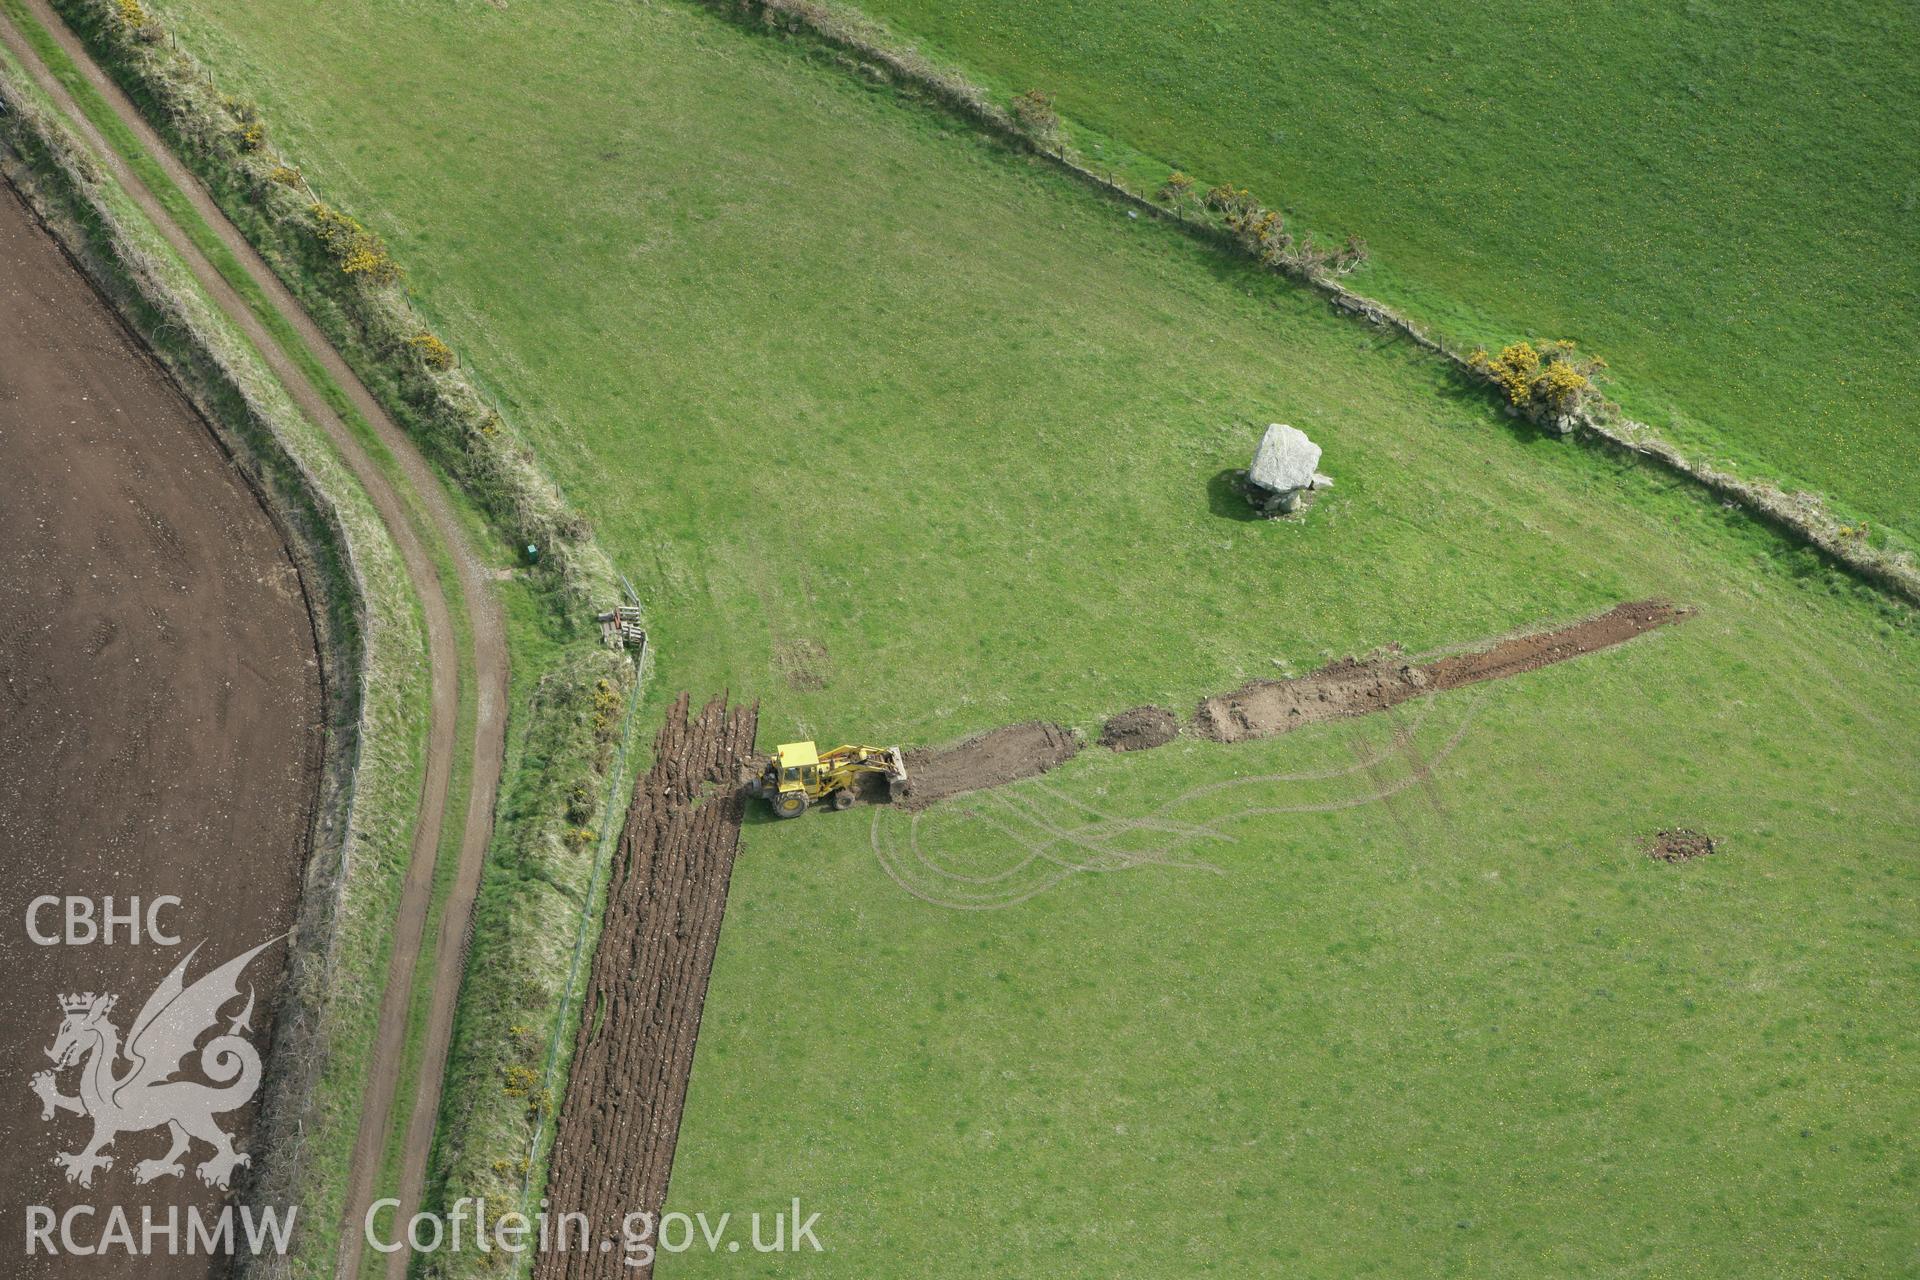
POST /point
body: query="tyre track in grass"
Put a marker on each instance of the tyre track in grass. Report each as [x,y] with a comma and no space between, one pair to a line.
[1350,687]
[418,514]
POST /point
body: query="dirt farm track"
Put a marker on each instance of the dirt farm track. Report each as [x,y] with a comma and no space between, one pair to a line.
[160,712]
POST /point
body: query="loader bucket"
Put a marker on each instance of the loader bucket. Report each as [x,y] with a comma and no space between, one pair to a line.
[897,783]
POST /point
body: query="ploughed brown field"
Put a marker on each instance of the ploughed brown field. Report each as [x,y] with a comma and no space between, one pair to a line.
[160,722]
[633,1056]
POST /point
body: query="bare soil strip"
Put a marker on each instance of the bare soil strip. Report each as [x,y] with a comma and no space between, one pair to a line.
[1140,729]
[160,709]
[1360,686]
[483,618]
[1349,687]
[614,1143]
[987,760]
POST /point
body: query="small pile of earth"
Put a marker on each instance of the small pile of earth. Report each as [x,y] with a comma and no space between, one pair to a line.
[986,760]
[1140,729]
[1679,845]
[802,664]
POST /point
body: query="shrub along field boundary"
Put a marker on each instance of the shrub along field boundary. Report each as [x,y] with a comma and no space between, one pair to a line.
[371,636]
[863,45]
[546,854]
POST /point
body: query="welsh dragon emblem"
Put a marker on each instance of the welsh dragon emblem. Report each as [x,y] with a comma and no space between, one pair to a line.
[142,1094]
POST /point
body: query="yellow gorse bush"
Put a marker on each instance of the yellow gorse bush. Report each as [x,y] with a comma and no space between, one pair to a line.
[1263,233]
[358,250]
[1550,379]
[607,707]
[371,261]
[1513,370]
[1562,386]
[436,353]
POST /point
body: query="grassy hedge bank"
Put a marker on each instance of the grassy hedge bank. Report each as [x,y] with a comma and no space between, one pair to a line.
[534,924]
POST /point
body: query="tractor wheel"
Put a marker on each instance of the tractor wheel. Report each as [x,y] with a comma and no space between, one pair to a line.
[790,804]
[843,799]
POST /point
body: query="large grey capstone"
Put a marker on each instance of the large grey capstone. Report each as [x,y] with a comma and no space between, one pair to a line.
[1285,459]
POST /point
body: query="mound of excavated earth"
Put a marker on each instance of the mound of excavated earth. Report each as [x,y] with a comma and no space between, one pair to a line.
[1682,844]
[988,760]
[1359,686]
[1140,729]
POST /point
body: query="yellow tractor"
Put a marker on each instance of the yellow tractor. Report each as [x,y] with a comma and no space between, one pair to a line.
[799,775]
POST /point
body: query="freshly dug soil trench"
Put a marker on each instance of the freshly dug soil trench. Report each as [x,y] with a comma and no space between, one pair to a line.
[1359,686]
[1349,687]
[1140,729]
[1529,653]
[160,716]
[614,1143]
[987,760]
[1679,845]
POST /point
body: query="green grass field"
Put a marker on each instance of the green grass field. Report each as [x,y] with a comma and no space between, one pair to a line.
[859,401]
[1722,198]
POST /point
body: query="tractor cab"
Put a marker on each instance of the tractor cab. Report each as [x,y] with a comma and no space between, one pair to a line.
[791,779]
[799,766]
